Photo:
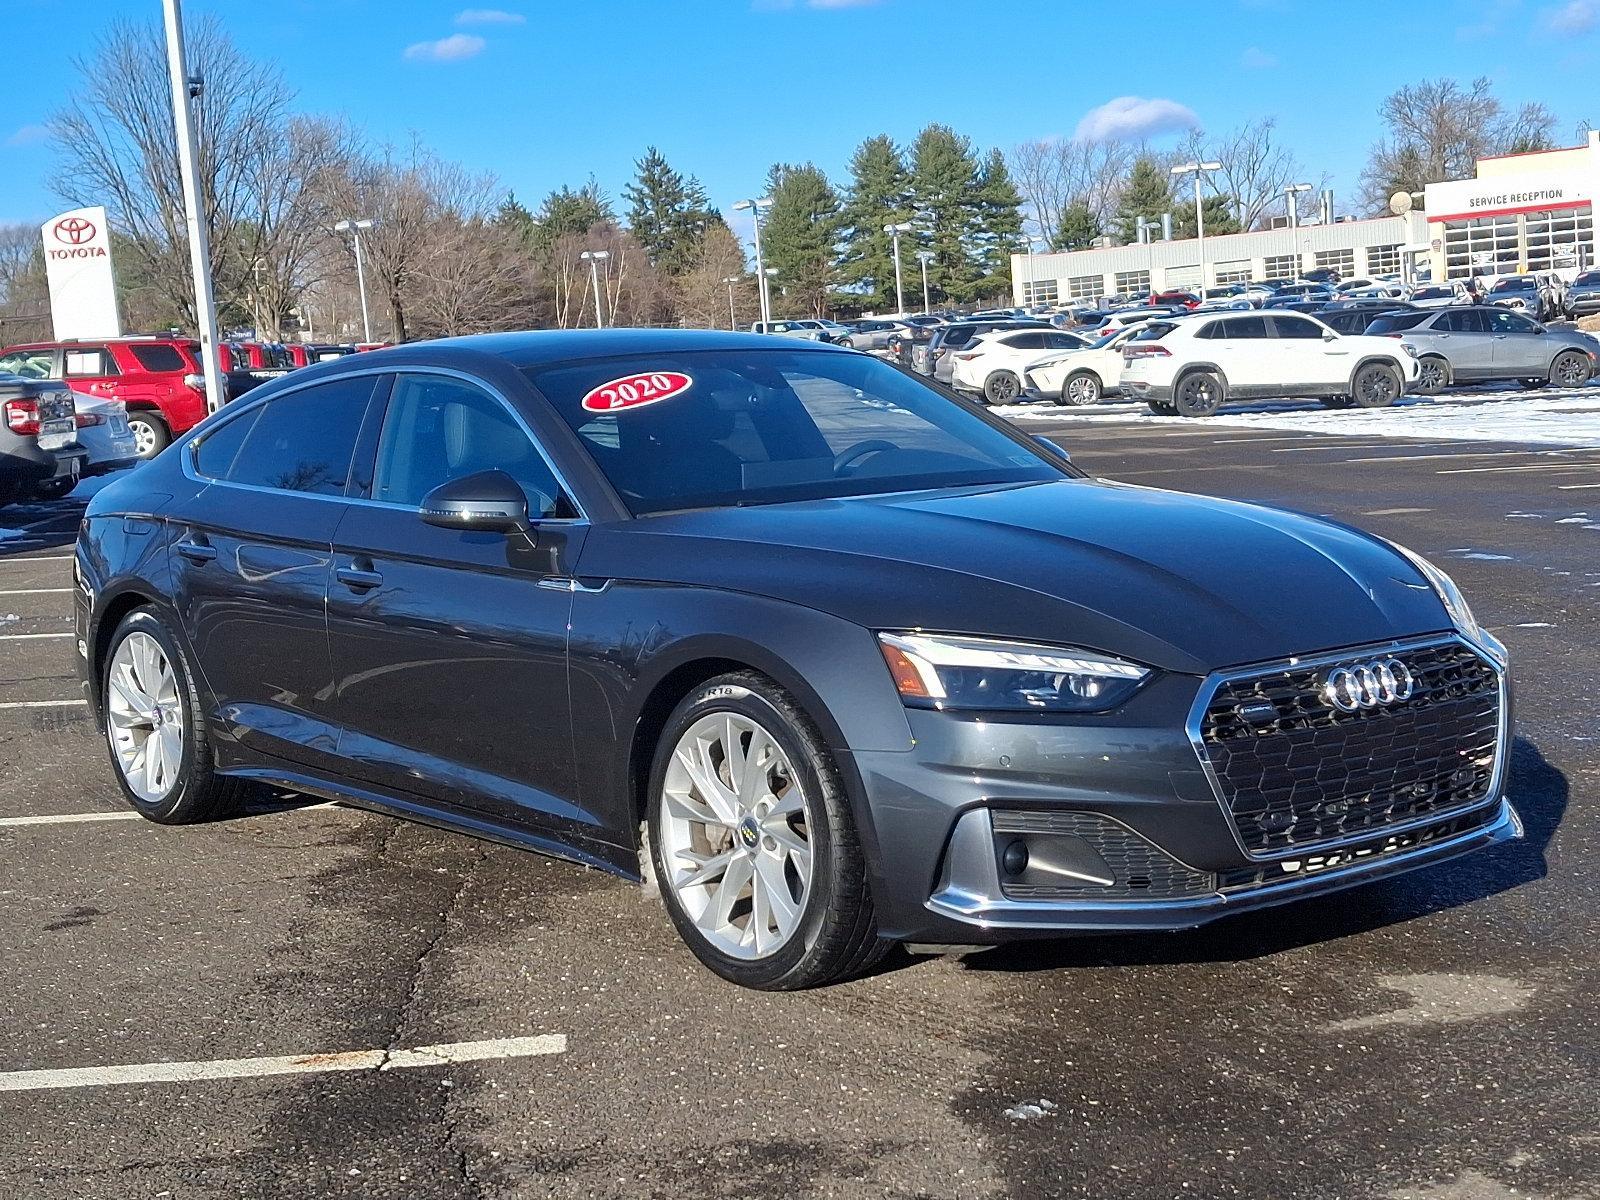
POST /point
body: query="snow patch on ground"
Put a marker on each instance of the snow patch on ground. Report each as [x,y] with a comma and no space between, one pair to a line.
[1481,555]
[1547,418]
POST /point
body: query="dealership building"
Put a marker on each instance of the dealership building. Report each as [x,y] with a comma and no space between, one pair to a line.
[1519,213]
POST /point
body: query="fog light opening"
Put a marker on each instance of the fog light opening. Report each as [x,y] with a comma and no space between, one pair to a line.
[1014,858]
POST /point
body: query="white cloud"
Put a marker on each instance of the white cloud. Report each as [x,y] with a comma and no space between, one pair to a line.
[29,135]
[1130,117]
[451,49]
[1256,59]
[489,16]
[1573,18]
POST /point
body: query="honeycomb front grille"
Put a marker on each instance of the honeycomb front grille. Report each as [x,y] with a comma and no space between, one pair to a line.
[1295,771]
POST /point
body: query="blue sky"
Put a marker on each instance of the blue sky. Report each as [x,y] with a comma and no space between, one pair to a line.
[543,93]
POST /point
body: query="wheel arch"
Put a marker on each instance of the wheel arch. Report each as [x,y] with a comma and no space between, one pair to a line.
[1381,360]
[1190,368]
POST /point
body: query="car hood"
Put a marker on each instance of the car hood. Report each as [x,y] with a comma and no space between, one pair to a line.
[1182,582]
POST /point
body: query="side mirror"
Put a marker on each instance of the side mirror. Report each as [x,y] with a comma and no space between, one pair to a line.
[488,500]
[1330,336]
[1050,448]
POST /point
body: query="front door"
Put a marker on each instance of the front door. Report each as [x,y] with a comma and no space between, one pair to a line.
[250,556]
[1521,348]
[1249,358]
[1308,359]
[450,647]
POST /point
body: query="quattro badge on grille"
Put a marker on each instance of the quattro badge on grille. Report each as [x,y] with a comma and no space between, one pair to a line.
[1375,684]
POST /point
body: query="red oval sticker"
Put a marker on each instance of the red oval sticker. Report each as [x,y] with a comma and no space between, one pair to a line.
[633,391]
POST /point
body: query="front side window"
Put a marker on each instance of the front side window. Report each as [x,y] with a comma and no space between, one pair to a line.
[766,426]
[301,442]
[1294,327]
[1023,341]
[30,364]
[1509,322]
[439,428]
[1235,328]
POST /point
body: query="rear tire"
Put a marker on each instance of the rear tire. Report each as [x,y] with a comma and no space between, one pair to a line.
[792,838]
[1198,394]
[1081,389]
[1002,388]
[154,713]
[151,435]
[1433,375]
[1571,369]
[1375,386]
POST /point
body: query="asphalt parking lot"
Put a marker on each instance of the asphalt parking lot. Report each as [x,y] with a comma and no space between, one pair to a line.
[1434,1037]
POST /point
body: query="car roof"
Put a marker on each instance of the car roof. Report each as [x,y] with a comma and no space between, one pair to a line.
[537,347]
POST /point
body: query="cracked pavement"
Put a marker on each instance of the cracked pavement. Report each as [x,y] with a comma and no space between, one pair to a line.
[1431,1038]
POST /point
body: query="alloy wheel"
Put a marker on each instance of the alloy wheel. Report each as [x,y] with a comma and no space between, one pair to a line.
[1430,375]
[733,837]
[144,717]
[1571,370]
[1376,389]
[1082,389]
[144,438]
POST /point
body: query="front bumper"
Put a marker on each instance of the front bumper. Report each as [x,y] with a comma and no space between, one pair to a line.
[1123,825]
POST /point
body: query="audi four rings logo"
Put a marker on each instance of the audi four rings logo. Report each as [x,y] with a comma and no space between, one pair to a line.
[74,231]
[1369,685]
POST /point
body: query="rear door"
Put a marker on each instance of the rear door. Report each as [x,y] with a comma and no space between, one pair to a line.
[90,369]
[1242,348]
[1462,336]
[450,647]
[251,555]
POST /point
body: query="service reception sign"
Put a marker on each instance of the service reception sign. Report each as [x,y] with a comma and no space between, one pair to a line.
[77,260]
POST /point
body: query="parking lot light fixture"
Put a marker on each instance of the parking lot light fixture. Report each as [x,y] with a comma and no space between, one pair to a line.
[895,231]
[1198,169]
[733,322]
[355,228]
[1292,194]
[925,257]
[594,258]
[755,208]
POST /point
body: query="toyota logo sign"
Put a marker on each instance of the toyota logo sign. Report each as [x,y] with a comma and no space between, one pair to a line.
[74,231]
[1369,685]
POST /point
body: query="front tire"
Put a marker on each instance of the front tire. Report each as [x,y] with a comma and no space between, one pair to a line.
[1570,369]
[156,732]
[1002,388]
[753,843]
[1375,386]
[1198,394]
[1081,389]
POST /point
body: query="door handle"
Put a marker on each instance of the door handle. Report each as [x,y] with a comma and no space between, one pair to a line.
[357,579]
[196,552]
[1499,337]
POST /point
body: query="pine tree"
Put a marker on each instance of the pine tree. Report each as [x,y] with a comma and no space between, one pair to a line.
[878,196]
[1219,217]
[799,237]
[567,211]
[999,224]
[1078,229]
[663,216]
[944,181]
[1147,194]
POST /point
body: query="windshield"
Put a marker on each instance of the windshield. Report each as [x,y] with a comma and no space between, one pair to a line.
[1588,277]
[1432,293]
[711,429]
[1520,284]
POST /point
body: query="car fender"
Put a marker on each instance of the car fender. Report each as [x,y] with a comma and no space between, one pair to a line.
[1371,357]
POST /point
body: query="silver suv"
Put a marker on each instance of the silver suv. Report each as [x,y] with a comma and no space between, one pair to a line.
[1471,344]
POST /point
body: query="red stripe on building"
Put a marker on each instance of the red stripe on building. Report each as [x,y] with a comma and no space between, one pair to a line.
[1509,212]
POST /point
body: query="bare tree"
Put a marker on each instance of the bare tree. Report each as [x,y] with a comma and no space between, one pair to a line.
[1055,175]
[24,297]
[701,296]
[1255,168]
[1437,129]
[117,146]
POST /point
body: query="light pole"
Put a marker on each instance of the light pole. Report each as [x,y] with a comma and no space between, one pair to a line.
[899,286]
[1291,194]
[185,88]
[733,323]
[354,228]
[925,257]
[1197,169]
[755,209]
[594,258]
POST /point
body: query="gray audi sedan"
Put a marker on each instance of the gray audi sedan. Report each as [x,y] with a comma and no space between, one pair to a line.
[831,657]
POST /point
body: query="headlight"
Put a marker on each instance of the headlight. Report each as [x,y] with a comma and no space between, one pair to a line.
[937,671]
[1455,604]
[1409,349]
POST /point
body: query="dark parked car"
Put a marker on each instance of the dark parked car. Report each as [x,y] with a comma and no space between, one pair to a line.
[1298,294]
[39,451]
[1475,343]
[837,659]
[1583,296]
[1349,317]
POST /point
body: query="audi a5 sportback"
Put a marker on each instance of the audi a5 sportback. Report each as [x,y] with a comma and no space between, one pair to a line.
[835,658]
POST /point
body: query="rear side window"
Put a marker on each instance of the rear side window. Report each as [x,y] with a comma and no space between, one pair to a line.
[1024,341]
[159,358]
[91,362]
[302,442]
[1153,331]
[1394,322]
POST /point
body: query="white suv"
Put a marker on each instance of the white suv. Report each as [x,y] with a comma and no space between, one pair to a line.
[1192,365]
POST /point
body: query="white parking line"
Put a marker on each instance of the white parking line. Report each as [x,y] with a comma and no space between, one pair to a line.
[22,562]
[1575,487]
[303,1064]
[42,703]
[29,637]
[1536,467]
[72,818]
[36,592]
